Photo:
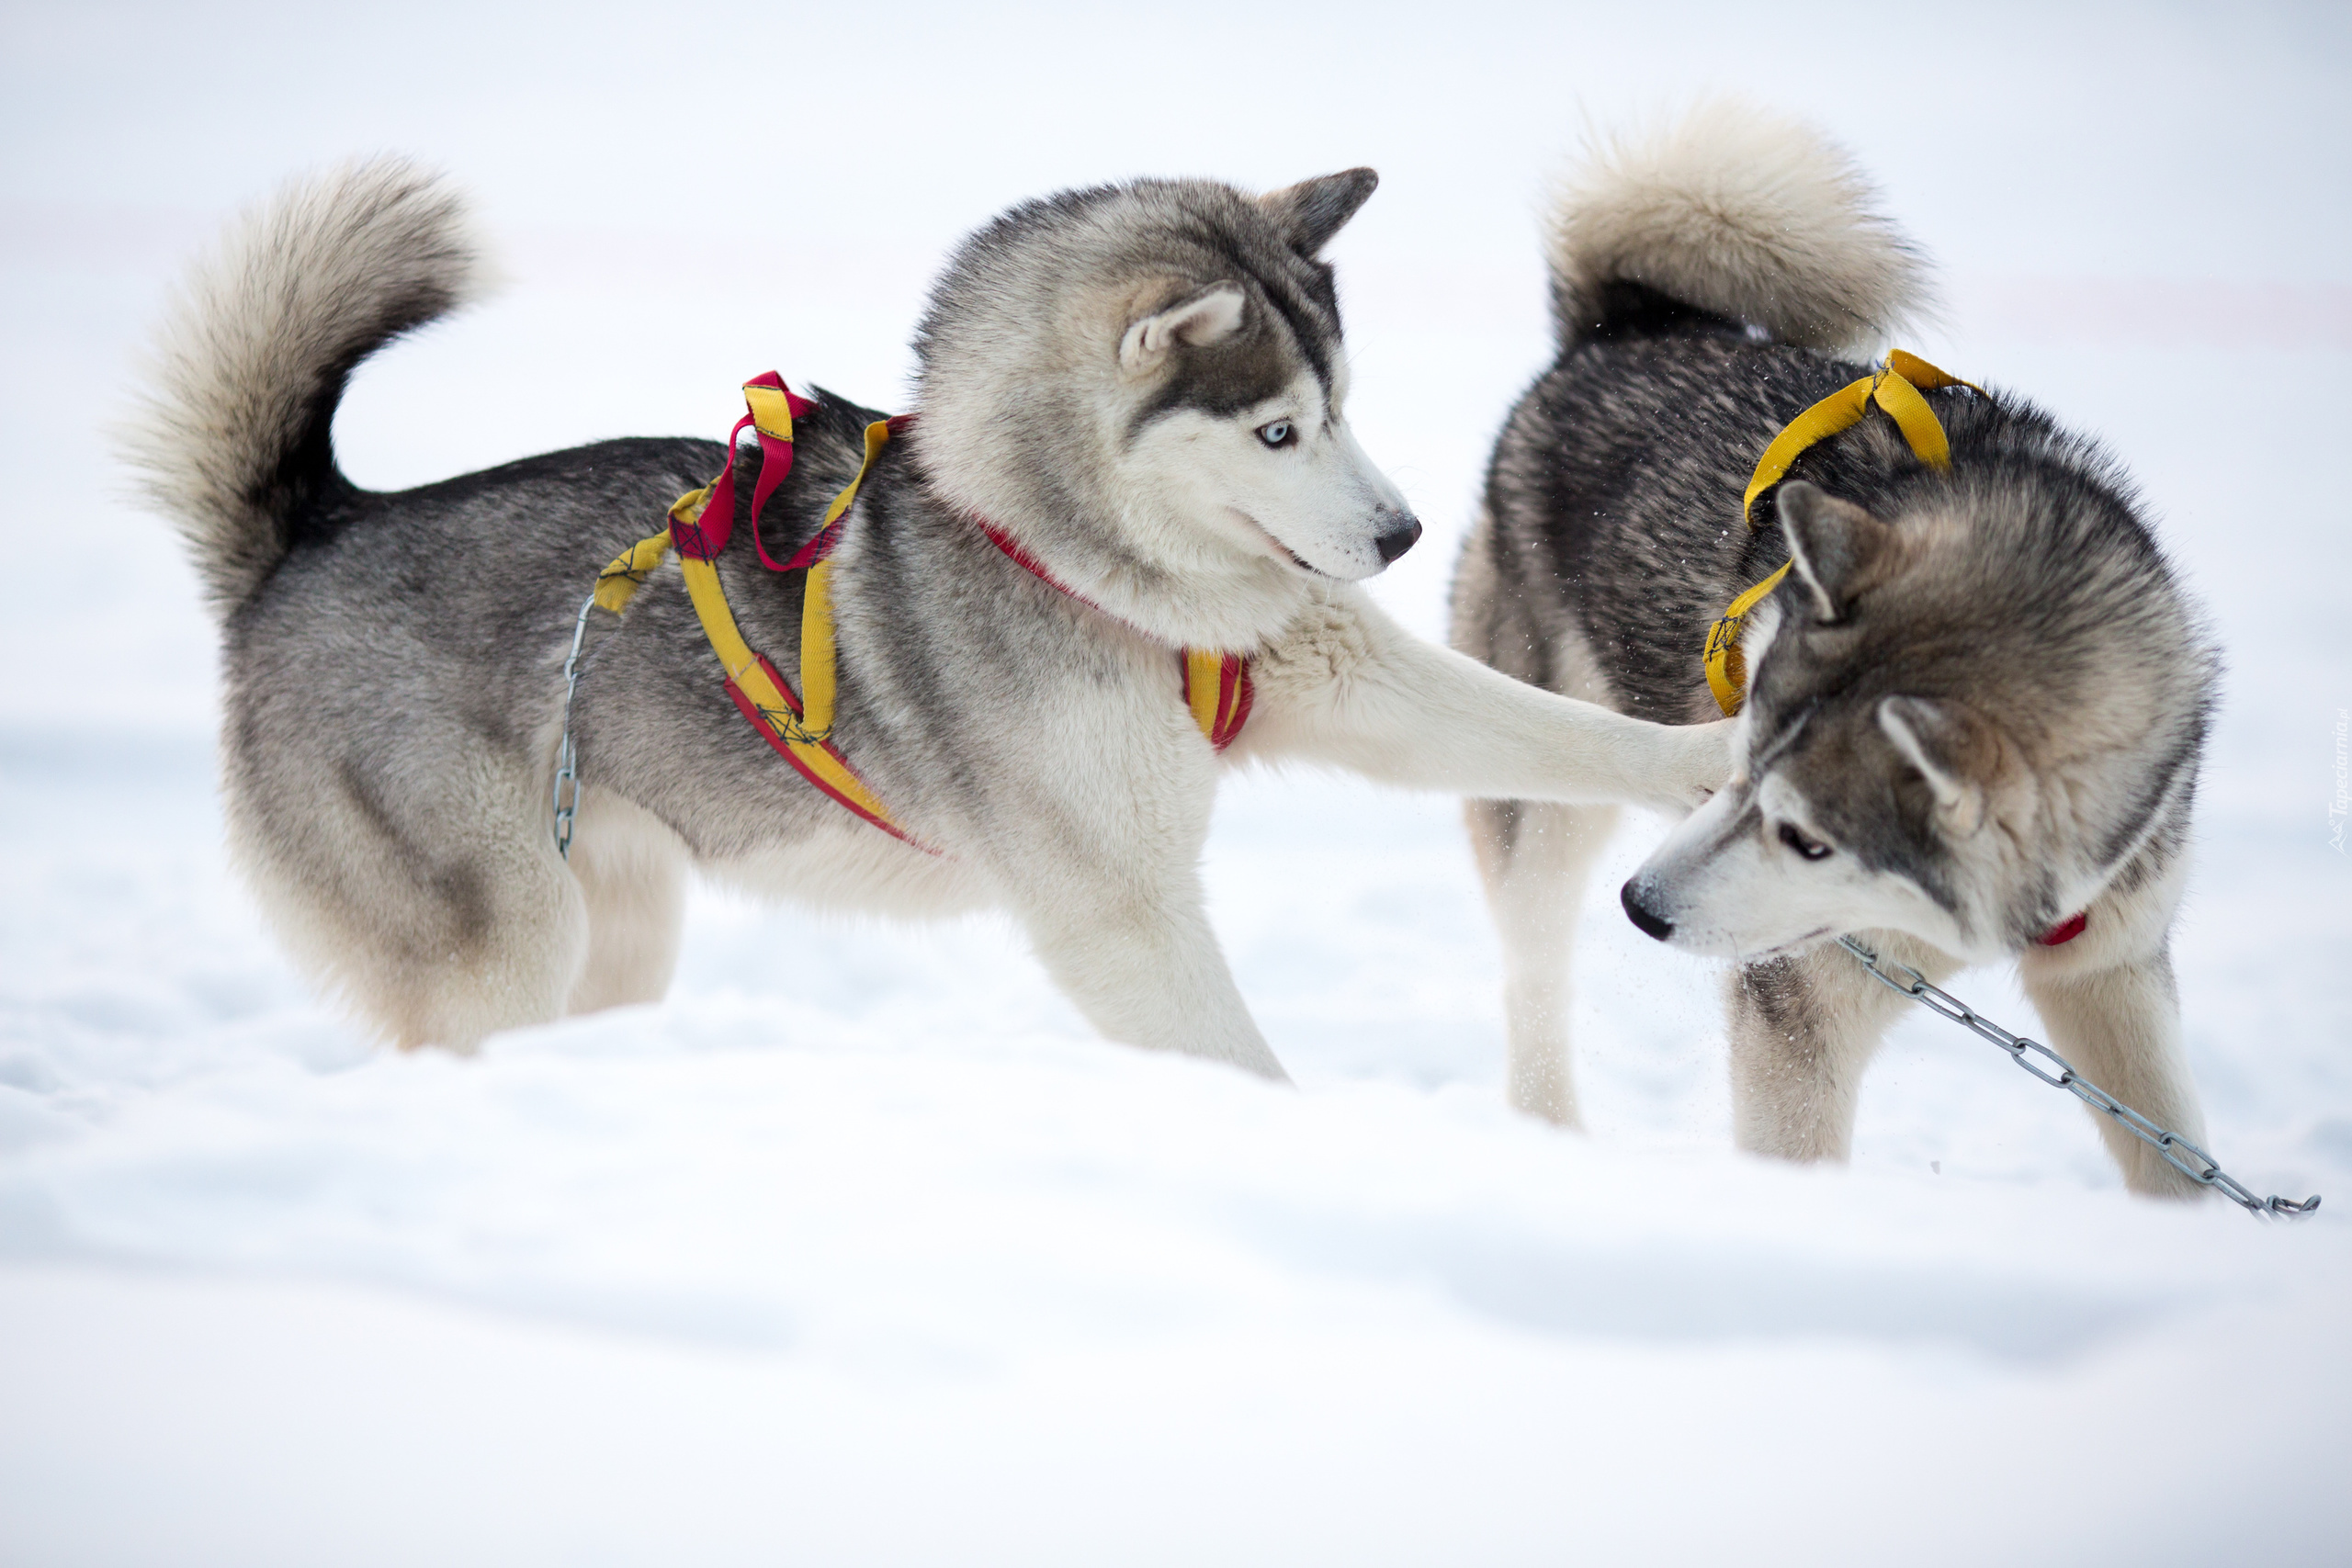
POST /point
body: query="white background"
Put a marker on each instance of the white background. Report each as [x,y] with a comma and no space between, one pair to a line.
[860,1249]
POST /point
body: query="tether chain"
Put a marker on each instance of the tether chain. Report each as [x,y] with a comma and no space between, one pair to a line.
[567,755]
[2171,1146]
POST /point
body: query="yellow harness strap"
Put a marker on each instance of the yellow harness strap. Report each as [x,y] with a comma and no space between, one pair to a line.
[799,727]
[817,602]
[1217,689]
[1896,390]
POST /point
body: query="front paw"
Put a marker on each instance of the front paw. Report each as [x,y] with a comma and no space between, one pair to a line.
[1698,765]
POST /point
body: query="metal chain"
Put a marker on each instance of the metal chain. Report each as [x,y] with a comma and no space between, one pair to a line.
[2171,1146]
[567,755]
[2205,1172]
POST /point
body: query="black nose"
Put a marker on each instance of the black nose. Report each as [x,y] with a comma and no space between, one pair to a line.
[1399,539]
[1639,913]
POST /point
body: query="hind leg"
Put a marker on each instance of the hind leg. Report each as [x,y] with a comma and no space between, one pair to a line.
[632,873]
[1533,858]
[422,885]
[1802,1030]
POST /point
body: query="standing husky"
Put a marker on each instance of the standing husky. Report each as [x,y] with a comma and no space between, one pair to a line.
[1139,390]
[1978,700]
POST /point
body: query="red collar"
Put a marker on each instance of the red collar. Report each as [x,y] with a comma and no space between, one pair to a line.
[1032,564]
[2064,930]
[1217,688]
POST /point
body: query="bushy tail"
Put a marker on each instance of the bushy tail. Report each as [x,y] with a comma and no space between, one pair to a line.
[1737,212]
[232,440]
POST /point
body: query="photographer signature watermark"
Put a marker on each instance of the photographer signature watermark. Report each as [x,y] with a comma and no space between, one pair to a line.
[2340,804]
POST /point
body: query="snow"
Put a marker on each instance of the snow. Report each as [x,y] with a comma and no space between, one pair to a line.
[860,1248]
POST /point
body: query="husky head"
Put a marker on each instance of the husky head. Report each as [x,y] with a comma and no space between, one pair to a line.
[1966,718]
[1146,383]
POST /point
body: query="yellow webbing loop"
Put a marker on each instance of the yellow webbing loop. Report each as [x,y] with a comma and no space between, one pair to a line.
[1217,686]
[1726,665]
[817,603]
[1840,411]
[1895,391]
[618,582]
[817,655]
[1203,680]
[754,677]
[806,731]
[1920,373]
[771,409]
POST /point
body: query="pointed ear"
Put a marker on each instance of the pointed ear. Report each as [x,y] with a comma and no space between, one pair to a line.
[1839,548]
[1311,211]
[1946,744]
[1207,317]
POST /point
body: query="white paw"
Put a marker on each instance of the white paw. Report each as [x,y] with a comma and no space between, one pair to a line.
[1703,762]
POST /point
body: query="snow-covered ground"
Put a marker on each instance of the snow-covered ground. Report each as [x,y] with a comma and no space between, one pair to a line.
[860,1249]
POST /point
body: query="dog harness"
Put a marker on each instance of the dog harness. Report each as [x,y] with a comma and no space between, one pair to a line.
[1894,388]
[1217,686]
[1897,389]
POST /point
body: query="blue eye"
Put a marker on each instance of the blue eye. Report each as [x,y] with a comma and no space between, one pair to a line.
[1278,434]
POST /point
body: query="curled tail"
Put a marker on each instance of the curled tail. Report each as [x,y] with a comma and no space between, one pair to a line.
[1735,214]
[233,439]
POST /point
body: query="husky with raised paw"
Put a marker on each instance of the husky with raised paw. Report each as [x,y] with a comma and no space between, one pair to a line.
[1131,441]
[1973,704]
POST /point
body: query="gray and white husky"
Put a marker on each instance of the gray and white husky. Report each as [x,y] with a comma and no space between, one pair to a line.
[1142,386]
[1977,704]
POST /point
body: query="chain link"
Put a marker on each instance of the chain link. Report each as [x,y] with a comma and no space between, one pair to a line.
[2179,1152]
[567,755]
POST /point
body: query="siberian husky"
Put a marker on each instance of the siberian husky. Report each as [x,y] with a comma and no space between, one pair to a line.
[1131,440]
[1978,703]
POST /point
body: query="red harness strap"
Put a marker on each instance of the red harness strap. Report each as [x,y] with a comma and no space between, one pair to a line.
[1217,688]
[703,535]
[2064,930]
[1216,685]
[800,727]
[1235,694]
